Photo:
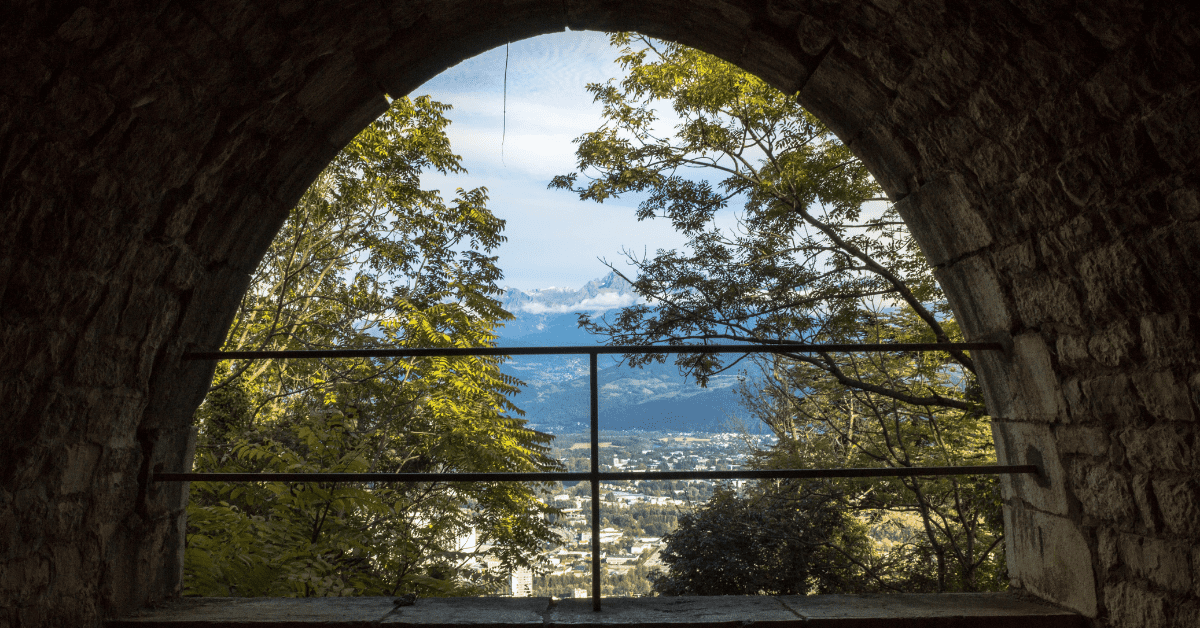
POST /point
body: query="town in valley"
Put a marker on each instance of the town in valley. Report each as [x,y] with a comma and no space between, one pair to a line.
[635,516]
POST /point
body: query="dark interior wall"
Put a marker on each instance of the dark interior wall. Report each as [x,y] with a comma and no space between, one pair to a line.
[1044,154]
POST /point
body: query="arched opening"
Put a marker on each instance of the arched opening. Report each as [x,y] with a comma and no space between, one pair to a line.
[553,410]
[1044,158]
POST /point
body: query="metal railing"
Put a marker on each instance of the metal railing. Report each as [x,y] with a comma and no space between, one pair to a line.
[595,476]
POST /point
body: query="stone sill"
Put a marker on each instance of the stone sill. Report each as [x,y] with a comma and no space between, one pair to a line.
[968,610]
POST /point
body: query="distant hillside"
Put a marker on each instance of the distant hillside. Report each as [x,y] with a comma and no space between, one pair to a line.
[555,397]
[549,315]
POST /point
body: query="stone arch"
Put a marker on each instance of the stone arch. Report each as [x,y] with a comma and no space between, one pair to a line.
[1044,154]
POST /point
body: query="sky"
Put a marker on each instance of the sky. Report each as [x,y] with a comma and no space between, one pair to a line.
[554,239]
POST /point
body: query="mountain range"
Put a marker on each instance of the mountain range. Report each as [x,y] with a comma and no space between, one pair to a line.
[655,397]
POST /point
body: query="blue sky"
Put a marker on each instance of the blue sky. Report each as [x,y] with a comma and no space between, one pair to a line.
[553,238]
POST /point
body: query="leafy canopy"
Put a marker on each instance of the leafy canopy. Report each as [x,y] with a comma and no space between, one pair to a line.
[810,257]
[817,255]
[791,540]
[368,258]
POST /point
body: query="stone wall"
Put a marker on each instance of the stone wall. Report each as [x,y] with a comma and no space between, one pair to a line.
[1044,153]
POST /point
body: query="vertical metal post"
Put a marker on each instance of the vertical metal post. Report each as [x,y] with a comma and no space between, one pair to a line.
[595,398]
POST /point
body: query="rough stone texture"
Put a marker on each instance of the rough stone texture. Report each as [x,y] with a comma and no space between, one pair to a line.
[1160,562]
[149,152]
[718,611]
[944,219]
[270,611]
[1179,501]
[965,610]
[1048,556]
[1030,443]
[471,612]
[1129,605]
[968,609]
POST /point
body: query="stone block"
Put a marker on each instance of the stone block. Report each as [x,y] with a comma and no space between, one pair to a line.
[85,28]
[1072,351]
[835,92]
[1114,282]
[66,518]
[1050,557]
[1021,385]
[814,35]
[358,119]
[1179,501]
[1112,345]
[1080,439]
[1196,570]
[1185,615]
[1171,447]
[974,292]
[1103,491]
[1016,259]
[1194,388]
[1184,205]
[714,611]
[1031,443]
[23,578]
[1077,410]
[861,611]
[320,611]
[943,220]
[1164,563]
[79,466]
[946,609]
[1063,245]
[1108,397]
[993,163]
[1167,338]
[1129,605]
[472,612]
[1164,396]
[887,157]
[1106,549]
[1171,129]
[1147,505]
[1045,299]
[1079,180]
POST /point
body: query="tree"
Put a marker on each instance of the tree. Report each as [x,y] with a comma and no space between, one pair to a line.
[794,541]
[808,259]
[817,256]
[367,259]
[957,543]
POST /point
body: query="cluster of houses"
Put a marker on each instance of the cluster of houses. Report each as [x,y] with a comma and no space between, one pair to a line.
[576,507]
[620,552]
[572,556]
[576,555]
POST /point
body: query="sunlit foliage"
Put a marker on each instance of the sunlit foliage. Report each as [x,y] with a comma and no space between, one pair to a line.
[368,258]
[816,254]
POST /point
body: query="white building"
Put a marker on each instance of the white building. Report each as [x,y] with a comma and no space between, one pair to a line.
[610,535]
[521,581]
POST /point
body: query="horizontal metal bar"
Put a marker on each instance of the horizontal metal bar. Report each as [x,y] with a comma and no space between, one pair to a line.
[598,350]
[575,476]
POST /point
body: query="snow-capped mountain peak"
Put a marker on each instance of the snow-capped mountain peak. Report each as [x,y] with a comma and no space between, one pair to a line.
[598,295]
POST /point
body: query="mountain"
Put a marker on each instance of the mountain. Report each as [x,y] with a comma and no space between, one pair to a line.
[550,314]
[655,397]
[555,397]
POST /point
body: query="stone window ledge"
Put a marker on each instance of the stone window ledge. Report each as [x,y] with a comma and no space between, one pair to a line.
[968,610]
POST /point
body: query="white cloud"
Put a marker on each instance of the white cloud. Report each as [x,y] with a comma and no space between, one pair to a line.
[553,238]
[599,303]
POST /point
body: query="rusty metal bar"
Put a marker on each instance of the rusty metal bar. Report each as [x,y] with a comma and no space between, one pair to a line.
[576,476]
[606,350]
[594,404]
[594,476]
